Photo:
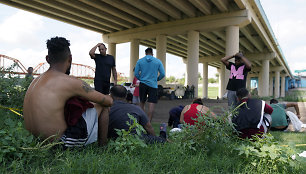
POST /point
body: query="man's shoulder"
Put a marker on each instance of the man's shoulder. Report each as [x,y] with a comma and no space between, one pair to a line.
[109,56]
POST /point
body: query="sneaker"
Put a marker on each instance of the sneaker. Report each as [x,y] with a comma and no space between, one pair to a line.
[163,130]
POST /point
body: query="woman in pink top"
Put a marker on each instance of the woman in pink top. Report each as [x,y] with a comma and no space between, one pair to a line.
[190,111]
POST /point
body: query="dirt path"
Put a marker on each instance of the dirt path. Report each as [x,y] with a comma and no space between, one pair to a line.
[161,113]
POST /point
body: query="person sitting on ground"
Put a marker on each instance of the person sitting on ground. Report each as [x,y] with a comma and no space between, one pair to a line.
[174,116]
[280,121]
[253,115]
[56,104]
[189,113]
[118,117]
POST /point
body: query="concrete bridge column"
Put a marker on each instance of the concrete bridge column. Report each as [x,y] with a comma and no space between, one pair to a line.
[222,85]
[112,51]
[221,77]
[248,82]
[276,84]
[185,74]
[134,56]
[264,83]
[193,60]
[259,87]
[271,85]
[231,48]
[283,85]
[205,80]
[161,48]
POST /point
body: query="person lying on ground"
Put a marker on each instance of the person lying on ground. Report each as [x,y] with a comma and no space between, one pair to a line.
[280,120]
[118,117]
[174,116]
[49,97]
[253,117]
[189,113]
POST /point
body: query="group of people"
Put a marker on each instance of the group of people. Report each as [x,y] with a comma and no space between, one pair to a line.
[60,105]
[252,116]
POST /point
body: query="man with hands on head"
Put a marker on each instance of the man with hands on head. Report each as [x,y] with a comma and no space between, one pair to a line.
[105,64]
[238,75]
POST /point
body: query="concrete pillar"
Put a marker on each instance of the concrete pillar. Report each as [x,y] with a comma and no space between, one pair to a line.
[276,84]
[112,51]
[193,60]
[134,56]
[205,80]
[271,85]
[161,49]
[264,84]
[221,78]
[248,83]
[185,74]
[222,84]
[259,82]
[283,83]
[231,48]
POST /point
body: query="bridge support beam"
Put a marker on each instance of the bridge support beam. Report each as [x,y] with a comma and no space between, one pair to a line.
[271,85]
[205,80]
[161,50]
[231,48]
[283,85]
[248,83]
[193,60]
[264,82]
[276,84]
[134,56]
[112,51]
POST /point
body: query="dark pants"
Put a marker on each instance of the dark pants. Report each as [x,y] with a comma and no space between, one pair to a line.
[102,86]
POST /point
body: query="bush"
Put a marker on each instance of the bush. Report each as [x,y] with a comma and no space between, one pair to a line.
[127,141]
[13,88]
[265,154]
[209,134]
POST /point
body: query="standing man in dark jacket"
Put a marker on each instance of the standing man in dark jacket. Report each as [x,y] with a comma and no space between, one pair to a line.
[104,65]
[238,75]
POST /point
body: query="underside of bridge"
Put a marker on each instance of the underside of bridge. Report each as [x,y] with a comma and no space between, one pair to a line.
[198,31]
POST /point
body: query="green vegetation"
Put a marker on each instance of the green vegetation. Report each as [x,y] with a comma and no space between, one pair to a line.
[212,92]
[291,96]
[207,147]
[295,96]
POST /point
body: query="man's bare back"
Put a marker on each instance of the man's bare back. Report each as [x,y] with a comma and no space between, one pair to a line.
[45,100]
[47,95]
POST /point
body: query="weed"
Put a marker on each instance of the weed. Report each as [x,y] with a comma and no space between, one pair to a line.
[127,140]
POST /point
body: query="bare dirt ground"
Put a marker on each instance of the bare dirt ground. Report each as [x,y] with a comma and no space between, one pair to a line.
[162,108]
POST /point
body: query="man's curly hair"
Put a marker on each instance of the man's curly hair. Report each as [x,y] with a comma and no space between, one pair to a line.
[58,49]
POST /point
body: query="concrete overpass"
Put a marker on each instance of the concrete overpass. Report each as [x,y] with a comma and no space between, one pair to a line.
[198,31]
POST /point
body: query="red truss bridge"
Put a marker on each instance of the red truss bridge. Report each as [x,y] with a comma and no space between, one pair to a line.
[77,70]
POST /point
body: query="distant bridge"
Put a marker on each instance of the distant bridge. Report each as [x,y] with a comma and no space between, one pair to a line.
[77,70]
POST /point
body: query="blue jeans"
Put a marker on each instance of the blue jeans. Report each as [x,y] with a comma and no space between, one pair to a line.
[232,98]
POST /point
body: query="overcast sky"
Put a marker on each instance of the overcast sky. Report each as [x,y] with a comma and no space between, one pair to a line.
[23,36]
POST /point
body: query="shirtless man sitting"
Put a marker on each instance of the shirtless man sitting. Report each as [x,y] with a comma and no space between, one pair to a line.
[45,100]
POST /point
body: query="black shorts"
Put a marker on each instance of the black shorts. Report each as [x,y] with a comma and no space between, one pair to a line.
[102,86]
[144,91]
